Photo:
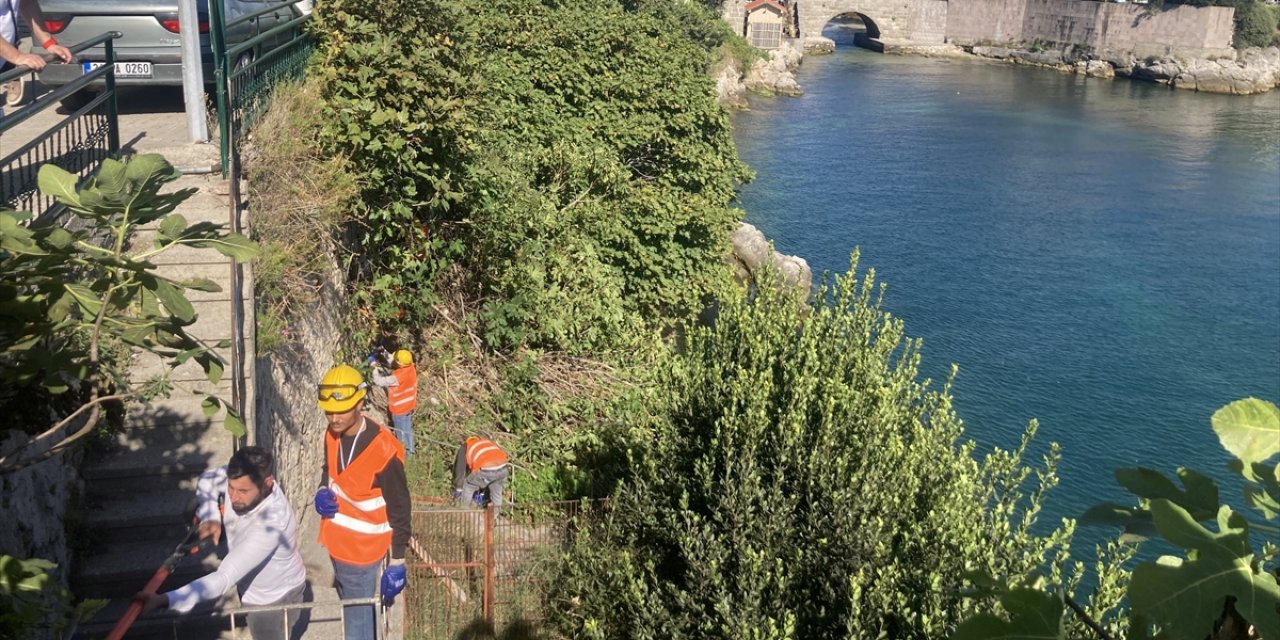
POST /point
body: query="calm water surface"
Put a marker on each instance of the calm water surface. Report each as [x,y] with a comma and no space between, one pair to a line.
[1101,255]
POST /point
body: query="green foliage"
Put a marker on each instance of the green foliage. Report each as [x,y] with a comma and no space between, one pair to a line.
[1255,25]
[65,295]
[29,598]
[395,92]
[570,156]
[806,484]
[299,193]
[1221,574]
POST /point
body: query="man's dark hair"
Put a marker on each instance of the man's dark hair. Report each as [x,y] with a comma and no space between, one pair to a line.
[254,462]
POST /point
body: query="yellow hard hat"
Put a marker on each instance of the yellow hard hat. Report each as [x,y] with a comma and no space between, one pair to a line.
[404,358]
[341,389]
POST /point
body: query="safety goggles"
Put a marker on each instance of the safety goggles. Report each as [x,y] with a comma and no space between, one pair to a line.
[339,392]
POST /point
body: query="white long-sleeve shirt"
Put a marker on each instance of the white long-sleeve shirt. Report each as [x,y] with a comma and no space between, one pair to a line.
[262,549]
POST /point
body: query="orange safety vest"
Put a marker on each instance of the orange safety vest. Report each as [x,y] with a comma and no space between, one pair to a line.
[360,533]
[484,454]
[403,398]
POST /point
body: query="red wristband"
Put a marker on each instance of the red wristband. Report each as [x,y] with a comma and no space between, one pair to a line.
[49,43]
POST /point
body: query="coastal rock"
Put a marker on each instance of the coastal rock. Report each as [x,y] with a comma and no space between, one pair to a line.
[1095,69]
[999,53]
[775,75]
[819,45]
[1245,72]
[730,90]
[1240,73]
[752,252]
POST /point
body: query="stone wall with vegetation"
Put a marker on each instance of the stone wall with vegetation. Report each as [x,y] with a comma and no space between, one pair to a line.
[1097,25]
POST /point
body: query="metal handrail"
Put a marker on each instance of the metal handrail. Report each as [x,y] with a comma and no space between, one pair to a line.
[18,191]
[259,13]
[265,35]
[176,620]
[22,70]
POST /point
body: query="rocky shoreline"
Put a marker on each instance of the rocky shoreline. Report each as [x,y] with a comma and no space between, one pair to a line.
[1235,72]
[1242,72]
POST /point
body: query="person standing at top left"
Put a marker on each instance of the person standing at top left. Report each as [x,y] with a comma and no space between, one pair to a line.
[402,394]
[14,13]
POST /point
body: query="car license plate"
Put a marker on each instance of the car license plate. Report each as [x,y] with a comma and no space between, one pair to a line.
[124,69]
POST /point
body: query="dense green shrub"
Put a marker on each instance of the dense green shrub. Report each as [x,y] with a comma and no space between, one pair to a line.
[807,485]
[570,155]
[1255,25]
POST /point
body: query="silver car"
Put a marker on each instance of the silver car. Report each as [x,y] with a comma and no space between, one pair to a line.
[149,51]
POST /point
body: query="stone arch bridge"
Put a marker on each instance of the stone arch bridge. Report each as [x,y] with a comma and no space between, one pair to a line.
[903,22]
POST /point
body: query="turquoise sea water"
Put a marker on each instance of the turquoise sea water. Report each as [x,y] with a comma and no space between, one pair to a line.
[1101,255]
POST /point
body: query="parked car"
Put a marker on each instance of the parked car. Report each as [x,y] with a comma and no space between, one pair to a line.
[149,52]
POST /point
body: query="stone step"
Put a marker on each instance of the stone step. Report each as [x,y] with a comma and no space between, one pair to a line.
[163,625]
[162,514]
[166,456]
[146,366]
[121,569]
[182,407]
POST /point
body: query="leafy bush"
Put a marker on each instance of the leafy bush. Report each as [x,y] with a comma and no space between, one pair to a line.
[806,485]
[570,156]
[1224,588]
[68,299]
[1255,25]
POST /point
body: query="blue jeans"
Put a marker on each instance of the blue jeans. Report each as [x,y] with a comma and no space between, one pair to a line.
[357,581]
[403,426]
[494,480]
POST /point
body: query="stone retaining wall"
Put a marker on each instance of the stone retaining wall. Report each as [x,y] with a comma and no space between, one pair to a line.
[1086,23]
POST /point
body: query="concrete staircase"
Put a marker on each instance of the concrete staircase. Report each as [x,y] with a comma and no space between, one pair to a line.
[139,491]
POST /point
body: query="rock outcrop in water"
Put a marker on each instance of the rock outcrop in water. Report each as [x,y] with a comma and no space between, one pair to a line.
[752,251]
[1243,72]
[774,75]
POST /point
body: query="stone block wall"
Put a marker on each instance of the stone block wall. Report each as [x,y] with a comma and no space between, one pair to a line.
[35,502]
[1128,26]
[929,22]
[985,21]
[1092,24]
[287,419]
[1072,21]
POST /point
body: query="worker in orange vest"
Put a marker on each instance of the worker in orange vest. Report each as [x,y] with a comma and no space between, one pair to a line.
[402,395]
[480,464]
[363,499]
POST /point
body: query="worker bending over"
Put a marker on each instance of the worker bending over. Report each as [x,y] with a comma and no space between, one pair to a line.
[480,464]
[262,547]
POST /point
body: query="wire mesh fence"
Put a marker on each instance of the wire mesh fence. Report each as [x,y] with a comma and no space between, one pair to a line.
[470,568]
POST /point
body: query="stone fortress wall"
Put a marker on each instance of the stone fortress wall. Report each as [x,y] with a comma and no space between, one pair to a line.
[1098,25]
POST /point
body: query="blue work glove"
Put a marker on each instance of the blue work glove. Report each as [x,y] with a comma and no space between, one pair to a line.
[373,359]
[326,502]
[393,581]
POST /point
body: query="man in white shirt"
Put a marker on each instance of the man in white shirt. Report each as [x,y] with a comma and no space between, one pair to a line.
[262,560]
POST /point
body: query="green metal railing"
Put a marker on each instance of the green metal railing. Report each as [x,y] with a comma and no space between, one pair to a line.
[246,73]
[78,143]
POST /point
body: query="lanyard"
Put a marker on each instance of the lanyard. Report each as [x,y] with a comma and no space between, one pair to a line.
[352,453]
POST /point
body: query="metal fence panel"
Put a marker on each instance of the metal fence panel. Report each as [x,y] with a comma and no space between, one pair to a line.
[471,570]
[78,143]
